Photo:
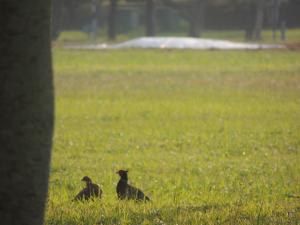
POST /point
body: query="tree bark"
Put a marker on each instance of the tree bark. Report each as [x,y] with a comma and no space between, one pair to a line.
[150,18]
[249,20]
[193,11]
[259,19]
[196,17]
[112,20]
[275,17]
[26,110]
[94,18]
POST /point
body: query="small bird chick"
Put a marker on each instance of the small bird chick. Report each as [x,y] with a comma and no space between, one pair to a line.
[128,192]
[90,191]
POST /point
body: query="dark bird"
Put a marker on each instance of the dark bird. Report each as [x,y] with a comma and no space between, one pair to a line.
[90,191]
[126,191]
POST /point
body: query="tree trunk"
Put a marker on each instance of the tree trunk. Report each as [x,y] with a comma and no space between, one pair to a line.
[94,18]
[150,18]
[259,19]
[26,110]
[193,28]
[196,17]
[201,16]
[275,17]
[249,20]
[112,20]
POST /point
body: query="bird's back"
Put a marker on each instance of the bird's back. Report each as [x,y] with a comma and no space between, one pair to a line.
[136,194]
[95,190]
[82,195]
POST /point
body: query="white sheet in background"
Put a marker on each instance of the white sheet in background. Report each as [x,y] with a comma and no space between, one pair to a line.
[179,43]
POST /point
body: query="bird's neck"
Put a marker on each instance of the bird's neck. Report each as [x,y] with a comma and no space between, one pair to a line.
[124,177]
[88,184]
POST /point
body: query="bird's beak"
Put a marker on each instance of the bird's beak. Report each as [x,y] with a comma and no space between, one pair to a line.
[117,172]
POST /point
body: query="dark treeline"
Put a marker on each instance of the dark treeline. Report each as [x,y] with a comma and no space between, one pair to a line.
[193,16]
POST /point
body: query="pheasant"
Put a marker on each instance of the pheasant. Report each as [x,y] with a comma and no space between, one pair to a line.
[126,191]
[90,191]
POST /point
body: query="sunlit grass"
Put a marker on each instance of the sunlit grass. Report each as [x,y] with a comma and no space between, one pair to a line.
[212,137]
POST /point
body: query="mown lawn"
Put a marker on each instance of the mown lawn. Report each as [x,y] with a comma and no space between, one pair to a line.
[213,137]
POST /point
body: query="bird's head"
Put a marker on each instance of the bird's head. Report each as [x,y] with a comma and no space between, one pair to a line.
[86,179]
[122,173]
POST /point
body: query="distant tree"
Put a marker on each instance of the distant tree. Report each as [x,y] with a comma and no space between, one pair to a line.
[259,19]
[150,15]
[150,18]
[257,10]
[254,16]
[112,20]
[275,14]
[196,17]
[193,11]
[26,110]
[95,11]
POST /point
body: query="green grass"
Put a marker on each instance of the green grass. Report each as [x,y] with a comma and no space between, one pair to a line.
[213,137]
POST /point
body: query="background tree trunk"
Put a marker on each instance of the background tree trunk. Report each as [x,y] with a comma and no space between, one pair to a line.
[94,18]
[275,17]
[26,110]
[196,17]
[150,18]
[249,20]
[112,20]
[193,28]
[259,19]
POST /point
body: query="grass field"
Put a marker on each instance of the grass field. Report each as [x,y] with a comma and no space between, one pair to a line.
[213,137]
